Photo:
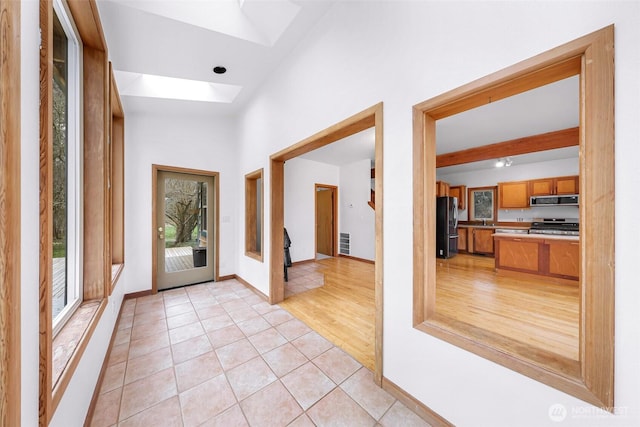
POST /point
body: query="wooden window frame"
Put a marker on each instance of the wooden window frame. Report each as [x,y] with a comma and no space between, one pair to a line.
[10,220]
[470,206]
[116,187]
[590,56]
[96,248]
[251,216]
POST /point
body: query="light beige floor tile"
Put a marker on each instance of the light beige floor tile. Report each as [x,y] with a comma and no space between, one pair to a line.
[284,359]
[149,317]
[307,384]
[144,330]
[361,388]
[277,317]
[302,421]
[235,304]
[267,340]
[264,307]
[206,400]
[107,409]
[125,322]
[400,415]
[293,329]
[271,406]
[113,377]
[235,354]
[225,336]
[119,353]
[190,348]
[250,377]
[147,392]
[148,364]
[232,417]
[337,364]
[197,370]
[338,409]
[210,311]
[174,310]
[253,326]
[123,336]
[148,344]
[182,319]
[243,314]
[312,344]
[185,332]
[165,413]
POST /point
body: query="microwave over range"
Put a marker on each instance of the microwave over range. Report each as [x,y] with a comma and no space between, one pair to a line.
[568,200]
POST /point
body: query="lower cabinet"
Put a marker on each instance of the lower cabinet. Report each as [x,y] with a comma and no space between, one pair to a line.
[480,241]
[548,257]
[462,239]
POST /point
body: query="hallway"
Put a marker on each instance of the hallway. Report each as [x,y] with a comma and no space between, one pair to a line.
[218,354]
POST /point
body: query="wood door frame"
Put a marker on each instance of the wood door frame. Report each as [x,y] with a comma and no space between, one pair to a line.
[334,213]
[154,221]
[371,117]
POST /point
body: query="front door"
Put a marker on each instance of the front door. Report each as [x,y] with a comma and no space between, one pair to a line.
[184,229]
[325,219]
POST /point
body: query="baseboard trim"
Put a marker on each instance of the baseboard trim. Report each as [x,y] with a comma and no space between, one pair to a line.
[420,409]
[138,294]
[368,261]
[253,288]
[228,277]
[103,370]
[304,261]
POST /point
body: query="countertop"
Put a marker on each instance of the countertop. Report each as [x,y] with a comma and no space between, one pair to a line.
[537,236]
[507,227]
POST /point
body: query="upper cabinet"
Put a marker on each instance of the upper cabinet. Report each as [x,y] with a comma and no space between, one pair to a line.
[459,192]
[554,186]
[442,189]
[512,195]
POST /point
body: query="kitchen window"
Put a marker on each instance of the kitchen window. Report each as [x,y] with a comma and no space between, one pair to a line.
[482,204]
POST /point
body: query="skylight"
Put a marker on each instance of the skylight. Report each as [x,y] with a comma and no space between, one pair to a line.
[151,86]
[252,20]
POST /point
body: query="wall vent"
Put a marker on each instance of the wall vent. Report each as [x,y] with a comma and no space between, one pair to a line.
[345,243]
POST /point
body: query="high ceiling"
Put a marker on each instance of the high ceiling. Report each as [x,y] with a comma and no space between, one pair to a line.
[153,43]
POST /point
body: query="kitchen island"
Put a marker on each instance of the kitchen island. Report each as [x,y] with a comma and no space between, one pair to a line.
[554,256]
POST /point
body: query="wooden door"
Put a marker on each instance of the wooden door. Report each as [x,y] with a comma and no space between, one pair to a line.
[325,219]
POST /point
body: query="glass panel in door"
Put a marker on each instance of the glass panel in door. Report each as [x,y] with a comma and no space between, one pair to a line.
[184,243]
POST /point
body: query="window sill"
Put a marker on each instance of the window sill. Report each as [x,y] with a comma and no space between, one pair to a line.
[116,270]
[255,255]
[68,346]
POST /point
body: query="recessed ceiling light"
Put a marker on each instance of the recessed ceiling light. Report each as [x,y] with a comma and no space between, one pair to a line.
[219,70]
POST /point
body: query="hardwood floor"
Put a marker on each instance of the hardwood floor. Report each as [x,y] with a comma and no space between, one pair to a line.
[524,315]
[343,310]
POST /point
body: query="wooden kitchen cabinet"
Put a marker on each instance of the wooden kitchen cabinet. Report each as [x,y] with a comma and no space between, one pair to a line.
[460,192]
[539,255]
[554,186]
[442,189]
[513,195]
[481,241]
[462,239]
[564,258]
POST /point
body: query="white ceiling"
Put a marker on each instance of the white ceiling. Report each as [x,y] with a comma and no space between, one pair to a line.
[186,39]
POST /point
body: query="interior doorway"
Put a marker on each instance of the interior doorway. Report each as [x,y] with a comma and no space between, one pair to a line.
[185,249]
[369,118]
[326,220]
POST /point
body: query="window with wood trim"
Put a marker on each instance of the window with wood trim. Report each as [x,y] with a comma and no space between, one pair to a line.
[253,183]
[116,187]
[75,197]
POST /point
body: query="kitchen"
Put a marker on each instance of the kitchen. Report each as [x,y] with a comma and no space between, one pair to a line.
[508,276]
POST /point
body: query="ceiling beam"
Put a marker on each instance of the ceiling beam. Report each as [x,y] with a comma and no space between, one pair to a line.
[529,144]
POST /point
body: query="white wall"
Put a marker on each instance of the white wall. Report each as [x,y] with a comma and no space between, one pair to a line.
[356,216]
[300,177]
[187,142]
[491,177]
[403,53]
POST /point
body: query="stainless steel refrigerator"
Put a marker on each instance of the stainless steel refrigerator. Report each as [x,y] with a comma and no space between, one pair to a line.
[446,227]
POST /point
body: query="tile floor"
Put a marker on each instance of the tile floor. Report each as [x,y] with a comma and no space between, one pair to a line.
[217,354]
[303,277]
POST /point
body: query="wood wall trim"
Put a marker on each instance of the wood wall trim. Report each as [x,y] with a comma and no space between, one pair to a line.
[530,144]
[590,56]
[10,221]
[249,285]
[46,215]
[371,117]
[87,20]
[420,409]
[334,212]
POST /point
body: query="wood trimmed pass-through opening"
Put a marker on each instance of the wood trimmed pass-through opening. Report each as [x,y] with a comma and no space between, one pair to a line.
[591,57]
[371,117]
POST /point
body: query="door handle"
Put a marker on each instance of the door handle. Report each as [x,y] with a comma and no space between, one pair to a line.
[160,233]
